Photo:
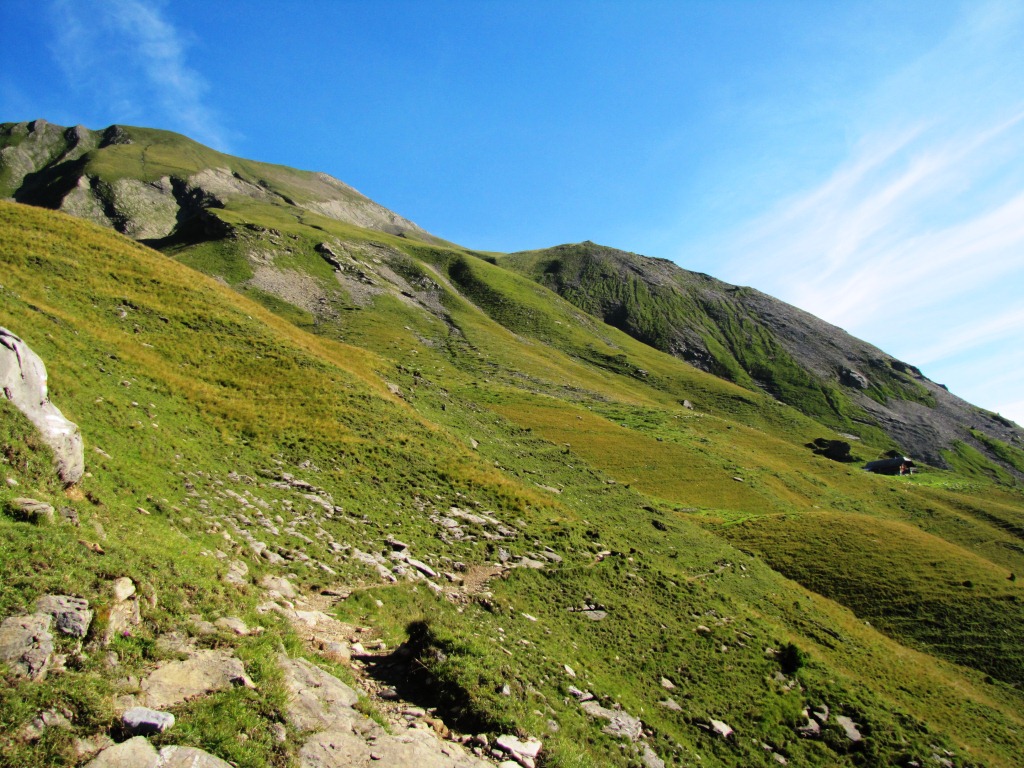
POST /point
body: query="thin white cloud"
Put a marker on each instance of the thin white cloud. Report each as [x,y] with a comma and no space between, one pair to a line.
[912,240]
[134,64]
[1007,325]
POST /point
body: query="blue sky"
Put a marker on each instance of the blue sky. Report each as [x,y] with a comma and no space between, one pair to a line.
[861,160]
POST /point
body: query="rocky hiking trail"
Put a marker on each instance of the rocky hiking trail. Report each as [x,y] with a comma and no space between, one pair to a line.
[322,711]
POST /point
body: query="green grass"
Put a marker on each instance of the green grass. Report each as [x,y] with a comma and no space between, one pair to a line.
[233,386]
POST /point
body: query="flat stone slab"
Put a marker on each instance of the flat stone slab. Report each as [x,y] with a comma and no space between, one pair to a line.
[137,752]
[177,681]
[317,700]
[26,644]
[416,748]
[189,757]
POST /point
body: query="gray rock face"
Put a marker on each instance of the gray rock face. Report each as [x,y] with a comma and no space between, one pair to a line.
[23,382]
[26,644]
[316,700]
[71,614]
[619,723]
[137,752]
[650,758]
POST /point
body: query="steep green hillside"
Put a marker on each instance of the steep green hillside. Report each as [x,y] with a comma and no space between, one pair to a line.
[188,389]
[764,344]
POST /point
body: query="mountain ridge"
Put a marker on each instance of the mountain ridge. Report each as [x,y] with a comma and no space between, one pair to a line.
[757,340]
[172,193]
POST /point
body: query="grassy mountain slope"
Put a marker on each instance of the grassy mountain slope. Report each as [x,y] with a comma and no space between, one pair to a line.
[135,340]
[762,343]
[406,377]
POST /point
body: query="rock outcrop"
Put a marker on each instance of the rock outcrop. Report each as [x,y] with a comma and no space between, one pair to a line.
[23,379]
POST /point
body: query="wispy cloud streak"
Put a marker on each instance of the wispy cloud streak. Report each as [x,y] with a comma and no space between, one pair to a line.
[915,241]
[133,62]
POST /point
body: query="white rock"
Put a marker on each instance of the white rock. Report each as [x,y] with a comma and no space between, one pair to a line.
[123,588]
[23,381]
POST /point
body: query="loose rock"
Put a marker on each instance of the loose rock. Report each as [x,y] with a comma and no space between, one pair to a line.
[31,510]
[620,724]
[142,721]
[71,614]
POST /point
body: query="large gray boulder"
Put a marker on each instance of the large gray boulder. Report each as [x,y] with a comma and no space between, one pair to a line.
[23,381]
[26,645]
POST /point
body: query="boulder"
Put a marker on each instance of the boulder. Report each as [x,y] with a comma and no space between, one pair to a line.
[26,644]
[134,753]
[232,624]
[71,614]
[723,730]
[123,588]
[850,728]
[523,752]
[280,585]
[23,382]
[142,721]
[620,724]
[38,512]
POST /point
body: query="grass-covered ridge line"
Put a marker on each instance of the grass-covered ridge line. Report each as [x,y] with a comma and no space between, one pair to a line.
[761,344]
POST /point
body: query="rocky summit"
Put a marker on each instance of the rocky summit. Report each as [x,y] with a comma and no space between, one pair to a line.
[286,480]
